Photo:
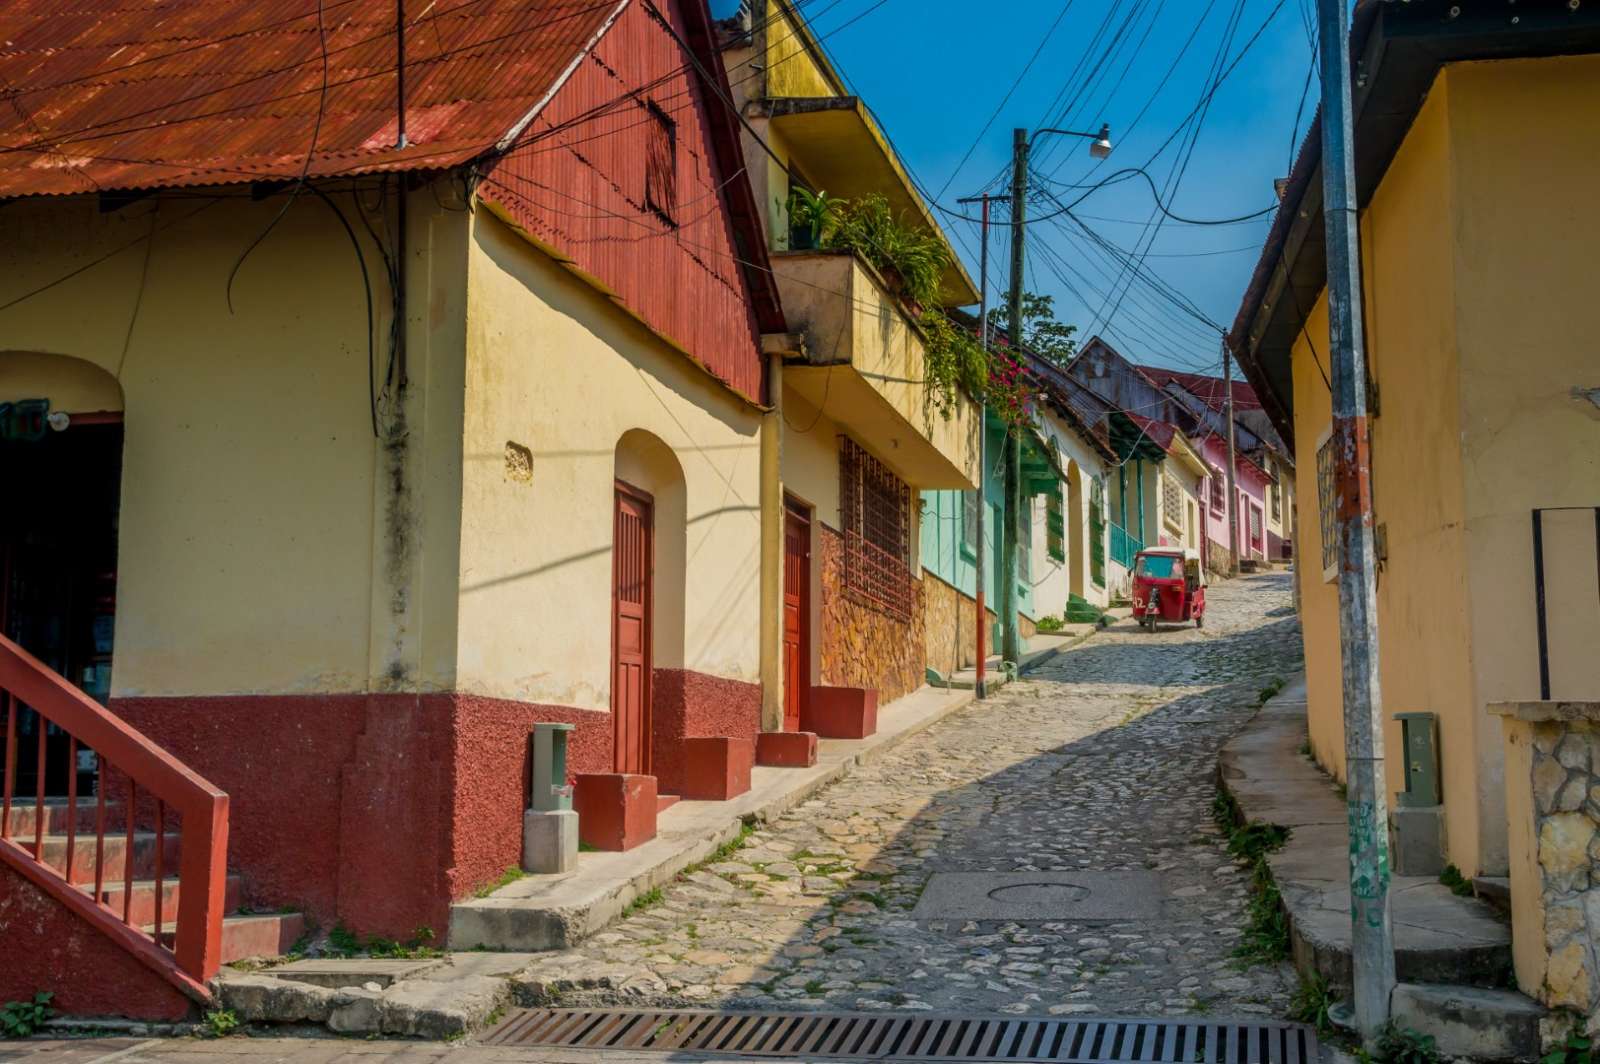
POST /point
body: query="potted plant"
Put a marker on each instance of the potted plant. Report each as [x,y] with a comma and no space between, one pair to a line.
[813,216]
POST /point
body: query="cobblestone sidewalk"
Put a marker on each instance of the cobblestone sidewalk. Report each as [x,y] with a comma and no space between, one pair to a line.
[1103,759]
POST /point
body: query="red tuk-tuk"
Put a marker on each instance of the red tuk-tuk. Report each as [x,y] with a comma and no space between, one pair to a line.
[1169,584]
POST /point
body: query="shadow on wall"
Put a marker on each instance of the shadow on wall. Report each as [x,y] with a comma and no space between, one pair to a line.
[833,921]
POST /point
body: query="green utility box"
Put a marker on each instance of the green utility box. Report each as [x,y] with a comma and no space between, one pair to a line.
[1419,741]
[550,791]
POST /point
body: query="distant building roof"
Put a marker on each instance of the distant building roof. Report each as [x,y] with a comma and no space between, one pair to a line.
[133,94]
[1208,390]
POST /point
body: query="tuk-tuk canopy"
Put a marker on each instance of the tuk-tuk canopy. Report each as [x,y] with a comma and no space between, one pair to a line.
[1189,560]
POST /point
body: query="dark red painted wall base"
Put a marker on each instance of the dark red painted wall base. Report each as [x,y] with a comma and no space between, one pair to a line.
[377,811]
[692,705]
[46,947]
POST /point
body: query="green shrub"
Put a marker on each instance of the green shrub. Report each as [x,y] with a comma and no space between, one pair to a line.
[221,1023]
[19,1019]
[1402,1045]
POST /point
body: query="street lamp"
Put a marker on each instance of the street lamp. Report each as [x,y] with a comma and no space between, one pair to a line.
[1099,143]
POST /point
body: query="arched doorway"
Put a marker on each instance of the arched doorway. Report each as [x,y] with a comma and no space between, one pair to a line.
[1077,520]
[61,449]
[649,544]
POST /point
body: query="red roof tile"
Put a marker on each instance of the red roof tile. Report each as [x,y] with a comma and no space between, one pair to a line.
[127,94]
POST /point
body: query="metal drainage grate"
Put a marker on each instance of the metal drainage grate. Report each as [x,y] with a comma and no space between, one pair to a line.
[872,1037]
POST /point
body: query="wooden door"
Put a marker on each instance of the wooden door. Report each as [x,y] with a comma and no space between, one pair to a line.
[796,615]
[632,560]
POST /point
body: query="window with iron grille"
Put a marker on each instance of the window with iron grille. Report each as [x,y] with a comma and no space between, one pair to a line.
[1097,532]
[661,164]
[874,509]
[1276,495]
[971,514]
[1025,541]
[1055,527]
[1327,519]
[1219,493]
[1172,504]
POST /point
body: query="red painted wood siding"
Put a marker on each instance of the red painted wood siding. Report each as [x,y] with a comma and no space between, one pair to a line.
[576,181]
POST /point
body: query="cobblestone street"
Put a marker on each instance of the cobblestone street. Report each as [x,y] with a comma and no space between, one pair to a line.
[1102,759]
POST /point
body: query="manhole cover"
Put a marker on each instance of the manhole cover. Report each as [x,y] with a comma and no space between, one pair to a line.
[832,1035]
[1041,896]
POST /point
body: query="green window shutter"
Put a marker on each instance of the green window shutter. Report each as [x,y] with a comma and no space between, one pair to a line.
[1055,526]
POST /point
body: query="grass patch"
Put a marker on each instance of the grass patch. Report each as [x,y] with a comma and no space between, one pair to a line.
[1313,1004]
[1276,684]
[813,987]
[1459,884]
[508,877]
[1266,932]
[649,899]
[1402,1045]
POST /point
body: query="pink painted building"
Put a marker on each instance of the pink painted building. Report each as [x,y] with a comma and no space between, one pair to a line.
[1252,485]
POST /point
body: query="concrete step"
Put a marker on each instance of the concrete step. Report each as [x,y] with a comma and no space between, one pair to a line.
[1496,890]
[253,935]
[665,802]
[116,855]
[1439,937]
[56,813]
[142,909]
[1472,1022]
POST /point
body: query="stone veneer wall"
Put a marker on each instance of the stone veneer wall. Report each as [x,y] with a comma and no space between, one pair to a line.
[950,631]
[862,646]
[1553,806]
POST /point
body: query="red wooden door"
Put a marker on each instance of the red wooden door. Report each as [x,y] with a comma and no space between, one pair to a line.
[796,616]
[632,558]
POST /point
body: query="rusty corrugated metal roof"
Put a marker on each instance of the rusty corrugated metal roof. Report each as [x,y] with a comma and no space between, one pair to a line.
[130,94]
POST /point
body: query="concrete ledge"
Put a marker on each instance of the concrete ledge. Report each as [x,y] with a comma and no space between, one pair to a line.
[1470,1022]
[1439,937]
[553,912]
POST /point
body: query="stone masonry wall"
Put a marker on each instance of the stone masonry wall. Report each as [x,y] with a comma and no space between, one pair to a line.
[863,646]
[1566,837]
[950,631]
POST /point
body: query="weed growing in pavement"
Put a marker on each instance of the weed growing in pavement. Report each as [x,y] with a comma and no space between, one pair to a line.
[342,942]
[508,877]
[19,1019]
[648,899]
[1266,933]
[220,1023]
[1313,1003]
[1276,684]
[1577,1049]
[1402,1045]
[1459,884]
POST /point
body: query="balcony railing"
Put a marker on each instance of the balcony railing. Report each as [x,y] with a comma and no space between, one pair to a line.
[1123,546]
[143,859]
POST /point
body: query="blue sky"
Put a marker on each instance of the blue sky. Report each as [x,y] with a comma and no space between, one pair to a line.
[934,71]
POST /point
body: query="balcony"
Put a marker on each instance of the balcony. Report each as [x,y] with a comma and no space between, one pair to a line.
[864,368]
[1124,547]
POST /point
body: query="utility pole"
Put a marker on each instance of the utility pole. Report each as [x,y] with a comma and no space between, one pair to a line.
[980,684]
[1011,642]
[1233,488]
[1372,934]
[1021,144]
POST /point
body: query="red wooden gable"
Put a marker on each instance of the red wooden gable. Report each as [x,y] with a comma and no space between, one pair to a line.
[631,173]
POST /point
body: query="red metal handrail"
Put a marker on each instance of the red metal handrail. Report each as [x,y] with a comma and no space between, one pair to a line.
[201,808]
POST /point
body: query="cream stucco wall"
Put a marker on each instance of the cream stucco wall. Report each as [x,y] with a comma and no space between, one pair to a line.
[1481,325]
[555,368]
[1054,582]
[250,556]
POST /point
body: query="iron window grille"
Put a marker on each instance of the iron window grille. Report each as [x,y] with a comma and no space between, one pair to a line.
[1172,504]
[1219,493]
[1055,528]
[874,508]
[661,164]
[1097,532]
[1277,501]
[971,514]
[1327,520]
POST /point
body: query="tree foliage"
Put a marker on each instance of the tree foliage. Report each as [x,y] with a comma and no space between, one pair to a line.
[1042,332]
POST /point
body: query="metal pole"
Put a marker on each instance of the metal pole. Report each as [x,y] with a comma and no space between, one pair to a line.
[1372,938]
[980,684]
[400,74]
[1233,461]
[1011,644]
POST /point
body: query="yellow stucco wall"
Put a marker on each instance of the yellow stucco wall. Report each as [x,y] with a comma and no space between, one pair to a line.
[556,369]
[1480,325]
[792,69]
[250,473]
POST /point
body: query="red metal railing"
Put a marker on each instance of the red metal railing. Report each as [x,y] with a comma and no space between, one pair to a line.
[125,893]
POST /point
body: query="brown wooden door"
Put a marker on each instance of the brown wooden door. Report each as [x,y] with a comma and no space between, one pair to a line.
[796,615]
[631,564]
